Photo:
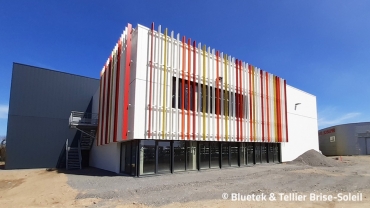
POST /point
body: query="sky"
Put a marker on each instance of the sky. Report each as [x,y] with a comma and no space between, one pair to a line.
[319,46]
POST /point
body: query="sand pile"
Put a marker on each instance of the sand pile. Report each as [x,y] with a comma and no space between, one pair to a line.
[315,158]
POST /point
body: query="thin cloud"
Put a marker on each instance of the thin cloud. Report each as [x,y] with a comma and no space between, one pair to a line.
[4,111]
[323,121]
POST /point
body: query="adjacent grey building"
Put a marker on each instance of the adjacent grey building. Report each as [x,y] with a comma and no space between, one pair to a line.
[345,139]
[41,101]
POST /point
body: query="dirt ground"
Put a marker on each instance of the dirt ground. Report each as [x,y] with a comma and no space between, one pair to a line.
[42,188]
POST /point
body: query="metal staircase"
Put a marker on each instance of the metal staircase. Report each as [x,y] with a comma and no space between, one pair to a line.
[73,157]
[86,123]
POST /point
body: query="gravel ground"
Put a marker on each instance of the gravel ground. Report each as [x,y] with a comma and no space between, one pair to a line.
[352,175]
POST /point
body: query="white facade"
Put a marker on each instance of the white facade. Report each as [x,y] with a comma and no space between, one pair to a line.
[302,122]
[166,121]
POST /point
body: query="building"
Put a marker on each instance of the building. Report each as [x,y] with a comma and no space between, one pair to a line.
[165,104]
[345,139]
[40,103]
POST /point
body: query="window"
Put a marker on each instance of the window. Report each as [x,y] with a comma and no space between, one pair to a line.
[148,153]
[204,155]
[190,96]
[179,156]
[164,156]
[215,154]
[191,154]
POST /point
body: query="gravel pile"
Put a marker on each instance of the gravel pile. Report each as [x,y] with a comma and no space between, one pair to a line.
[315,158]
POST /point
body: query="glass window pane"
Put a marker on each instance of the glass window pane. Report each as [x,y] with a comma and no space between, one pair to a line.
[234,154]
[164,157]
[250,151]
[215,154]
[204,155]
[276,152]
[133,157]
[271,152]
[147,156]
[191,155]
[258,152]
[263,152]
[179,156]
[123,157]
[243,154]
[225,154]
[128,158]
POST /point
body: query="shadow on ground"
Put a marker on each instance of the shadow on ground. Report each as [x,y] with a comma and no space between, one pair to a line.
[88,171]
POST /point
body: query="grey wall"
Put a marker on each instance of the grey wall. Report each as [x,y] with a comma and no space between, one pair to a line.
[326,147]
[41,101]
[346,140]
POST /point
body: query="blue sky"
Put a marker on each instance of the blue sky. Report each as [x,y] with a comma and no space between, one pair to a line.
[319,46]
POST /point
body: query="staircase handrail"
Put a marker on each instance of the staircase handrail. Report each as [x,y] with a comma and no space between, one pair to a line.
[77,117]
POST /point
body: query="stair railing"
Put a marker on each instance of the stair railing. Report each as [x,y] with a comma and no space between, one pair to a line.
[67,149]
[82,118]
[79,152]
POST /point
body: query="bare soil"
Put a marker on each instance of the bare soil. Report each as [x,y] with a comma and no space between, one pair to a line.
[94,188]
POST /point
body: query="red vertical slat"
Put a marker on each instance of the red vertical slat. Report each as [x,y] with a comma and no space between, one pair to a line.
[118,75]
[194,81]
[286,112]
[107,134]
[127,83]
[150,82]
[189,69]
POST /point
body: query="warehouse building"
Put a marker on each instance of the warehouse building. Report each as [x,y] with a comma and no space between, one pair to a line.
[163,104]
[345,139]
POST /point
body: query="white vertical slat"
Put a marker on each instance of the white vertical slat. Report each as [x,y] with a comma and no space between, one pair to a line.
[272,123]
[222,116]
[245,101]
[199,71]
[233,91]
[171,56]
[263,112]
[105,102]
[113,92]
[242,95]
[167,80]
[258,83]
[258,106]
[213,79]
[101,129]
[256,103]
[159,77]
[229,77]
[266,104]
[260,103]
[177,86]
[209,113]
